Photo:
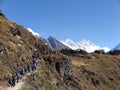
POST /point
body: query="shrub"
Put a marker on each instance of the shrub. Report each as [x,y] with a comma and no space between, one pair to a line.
[115,52]
[99,51]
[1,14]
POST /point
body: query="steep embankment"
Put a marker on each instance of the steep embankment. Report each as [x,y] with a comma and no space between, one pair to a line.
[16,46]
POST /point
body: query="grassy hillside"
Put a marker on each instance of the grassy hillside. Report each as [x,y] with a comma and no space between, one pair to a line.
[16,49]
[90,72]
[97,71]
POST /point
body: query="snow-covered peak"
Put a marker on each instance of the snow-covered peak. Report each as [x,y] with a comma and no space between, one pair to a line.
[84,44]
[34,33]
[71,44]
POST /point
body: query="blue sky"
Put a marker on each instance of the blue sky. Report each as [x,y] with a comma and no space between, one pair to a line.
[95,20]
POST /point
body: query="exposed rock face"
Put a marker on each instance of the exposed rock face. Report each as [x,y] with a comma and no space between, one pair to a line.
[55,44]
[64,68]
[15,31]
[2,50]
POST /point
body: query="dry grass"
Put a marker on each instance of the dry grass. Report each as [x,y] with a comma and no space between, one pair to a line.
[106,67]
[19,48]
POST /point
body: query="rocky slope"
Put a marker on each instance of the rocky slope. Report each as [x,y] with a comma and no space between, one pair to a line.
[17,46]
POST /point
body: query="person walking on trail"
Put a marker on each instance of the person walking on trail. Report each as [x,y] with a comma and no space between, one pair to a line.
[25,68]
[34,67]
[10,80]
[36,54]
[28,67]
[22,71]
[17,75]
[13,79]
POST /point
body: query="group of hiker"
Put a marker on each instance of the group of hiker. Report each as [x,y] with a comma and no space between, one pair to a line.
[31,66]
[23,70]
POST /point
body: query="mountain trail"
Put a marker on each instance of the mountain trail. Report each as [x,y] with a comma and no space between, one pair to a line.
[19,85]
[21,82]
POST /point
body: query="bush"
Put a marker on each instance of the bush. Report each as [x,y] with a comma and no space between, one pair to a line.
[115,52]
[99,51]
[72,52]
[1,14]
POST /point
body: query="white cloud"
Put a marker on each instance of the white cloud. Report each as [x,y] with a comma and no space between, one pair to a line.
[34,33]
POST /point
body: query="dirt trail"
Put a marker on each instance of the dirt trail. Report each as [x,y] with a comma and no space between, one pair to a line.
[18,85]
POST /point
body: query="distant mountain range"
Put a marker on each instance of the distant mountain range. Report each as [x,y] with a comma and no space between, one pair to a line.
[86,45]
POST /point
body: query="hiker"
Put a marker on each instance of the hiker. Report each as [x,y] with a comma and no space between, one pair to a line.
[17,75]
[37,63]
[10,80]
[34,66]
[34,60]
[25,68]
[28,67]
[36,54]
[13,79]
[22,71]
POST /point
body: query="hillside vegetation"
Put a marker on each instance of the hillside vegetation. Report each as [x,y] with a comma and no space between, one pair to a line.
[16,46]
[97,71]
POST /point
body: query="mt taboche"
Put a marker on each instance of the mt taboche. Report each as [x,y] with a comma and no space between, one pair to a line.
[116,47]
[55,44]
[86,45]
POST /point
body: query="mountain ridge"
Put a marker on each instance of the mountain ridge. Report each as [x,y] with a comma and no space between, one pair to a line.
[117,47]
[56,44]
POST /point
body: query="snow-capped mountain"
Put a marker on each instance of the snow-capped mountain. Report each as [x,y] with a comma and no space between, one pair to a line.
[117,47]
[69,44]
[55,44]
[84,45]
[34,33]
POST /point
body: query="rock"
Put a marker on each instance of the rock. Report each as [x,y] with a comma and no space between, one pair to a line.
[15,31]
[47,61]
[2,49]
[34,77]
[64,68]
[95,82]
[89,73]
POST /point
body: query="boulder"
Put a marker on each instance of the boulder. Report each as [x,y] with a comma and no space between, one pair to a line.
[95,82]
[15,31]
[34,77]
[64,68]
[2,49]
